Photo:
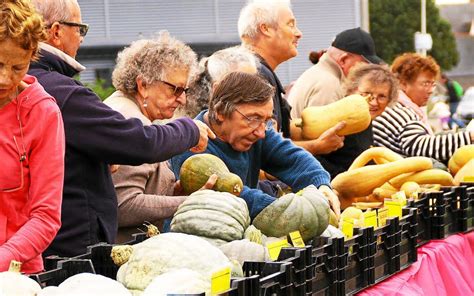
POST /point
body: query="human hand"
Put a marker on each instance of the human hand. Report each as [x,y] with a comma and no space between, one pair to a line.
[204,134]
[178,189]
[332,198]
[329,141]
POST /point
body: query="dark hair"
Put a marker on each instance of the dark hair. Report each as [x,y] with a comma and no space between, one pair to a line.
[238,88]
[315,56]
[198,95]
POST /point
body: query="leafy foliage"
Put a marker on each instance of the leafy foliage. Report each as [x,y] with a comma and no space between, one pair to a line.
[393,25]
[100,88]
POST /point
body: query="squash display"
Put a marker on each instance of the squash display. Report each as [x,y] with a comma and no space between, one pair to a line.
[432,176]
[353,109]
[179,281]
[306,211]
[165,252]
[14,283]
[197,169]
[212,214]
[362,181]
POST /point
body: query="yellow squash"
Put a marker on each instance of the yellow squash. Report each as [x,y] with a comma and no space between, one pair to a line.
[466,171]
[432,176]
[353,109]
[460,157]
[374,153]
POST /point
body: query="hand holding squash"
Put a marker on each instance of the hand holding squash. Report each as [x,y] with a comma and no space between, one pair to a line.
[204,134]
[178,189]
[330,141]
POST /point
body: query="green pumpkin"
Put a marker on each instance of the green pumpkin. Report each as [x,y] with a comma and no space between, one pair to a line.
[307,211]
[196,170]
[212,214]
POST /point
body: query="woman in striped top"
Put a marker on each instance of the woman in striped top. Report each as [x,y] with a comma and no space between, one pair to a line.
[404,127]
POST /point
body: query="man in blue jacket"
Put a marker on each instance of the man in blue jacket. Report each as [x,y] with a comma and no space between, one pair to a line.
[240,114]
[96,136]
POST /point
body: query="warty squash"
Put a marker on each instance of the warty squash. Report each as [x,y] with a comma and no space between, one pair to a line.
[353,109]
[196,170]
[212,214]
[362,181]
[306,211]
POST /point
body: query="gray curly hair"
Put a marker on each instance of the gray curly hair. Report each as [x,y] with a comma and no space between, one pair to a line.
[150,59]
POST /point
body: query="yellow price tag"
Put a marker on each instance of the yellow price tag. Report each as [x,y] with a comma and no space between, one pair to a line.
[220,281]
[296,239]
[382,216]
[370,219]
[394,208]
[468,179]
[275,248]
[400,196]
[348,227]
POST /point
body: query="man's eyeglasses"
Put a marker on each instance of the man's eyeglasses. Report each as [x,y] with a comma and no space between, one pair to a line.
[177,90]
[381,99]
[83,28]
[255,123]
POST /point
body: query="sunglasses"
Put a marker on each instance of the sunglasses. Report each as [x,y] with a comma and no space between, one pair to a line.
[83,28]
[177,90]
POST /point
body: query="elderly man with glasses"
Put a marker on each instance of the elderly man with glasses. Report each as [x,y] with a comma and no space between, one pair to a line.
[241,115]
[96,135]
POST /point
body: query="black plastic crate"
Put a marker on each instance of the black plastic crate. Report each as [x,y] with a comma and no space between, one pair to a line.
[469,216]
[274,278]
[325,266]
[298,258]
[423,218]
[63,270]
[353,263]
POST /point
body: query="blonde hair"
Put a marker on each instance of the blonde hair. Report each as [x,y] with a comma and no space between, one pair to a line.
[150,59]
[22,24]
[408,66]
[258,12]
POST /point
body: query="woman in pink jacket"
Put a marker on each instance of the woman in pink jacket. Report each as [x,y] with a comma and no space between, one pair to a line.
[31,144]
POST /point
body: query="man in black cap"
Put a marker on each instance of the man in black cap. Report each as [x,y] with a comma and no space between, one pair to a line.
[321,84]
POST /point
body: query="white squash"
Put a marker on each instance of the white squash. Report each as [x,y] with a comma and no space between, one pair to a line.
[15,284]
[245,250]
[178,281]
[92,285]
[166,252]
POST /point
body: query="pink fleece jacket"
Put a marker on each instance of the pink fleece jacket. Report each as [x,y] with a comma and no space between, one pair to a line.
[31,176]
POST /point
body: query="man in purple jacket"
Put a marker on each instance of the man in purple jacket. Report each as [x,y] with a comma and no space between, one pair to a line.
[96,136]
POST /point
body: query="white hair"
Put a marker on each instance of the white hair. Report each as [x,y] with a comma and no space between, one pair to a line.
[258,12]
[55,10]
[230,59]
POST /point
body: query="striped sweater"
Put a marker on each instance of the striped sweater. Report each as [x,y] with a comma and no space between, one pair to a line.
[401,129]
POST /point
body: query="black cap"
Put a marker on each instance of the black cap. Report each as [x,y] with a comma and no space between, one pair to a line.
[359,42]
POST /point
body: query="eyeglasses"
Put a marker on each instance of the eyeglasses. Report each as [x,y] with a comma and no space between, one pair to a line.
[381,99]
[428,84]
[177,90]
[83,28]
[254,122]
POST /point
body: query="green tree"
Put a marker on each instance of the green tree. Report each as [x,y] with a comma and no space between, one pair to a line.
[393,25]
[100,88]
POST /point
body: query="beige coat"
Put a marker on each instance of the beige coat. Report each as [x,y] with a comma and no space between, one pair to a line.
[144,192]
[318,86]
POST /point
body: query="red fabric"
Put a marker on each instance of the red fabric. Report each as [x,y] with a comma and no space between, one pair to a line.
[444,267]
[30,216]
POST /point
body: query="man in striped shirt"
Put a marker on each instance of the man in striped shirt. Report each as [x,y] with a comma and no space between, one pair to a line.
[404,127]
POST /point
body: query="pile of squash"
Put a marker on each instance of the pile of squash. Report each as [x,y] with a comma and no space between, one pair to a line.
[392,173]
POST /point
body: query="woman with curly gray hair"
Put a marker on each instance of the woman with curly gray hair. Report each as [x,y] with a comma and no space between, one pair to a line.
[151,79]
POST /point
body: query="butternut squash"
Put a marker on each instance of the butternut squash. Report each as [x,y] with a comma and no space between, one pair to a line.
[353,109]
[466,171]
[460,157]
[362,181]
[432,176]
[383,193]
[373,153]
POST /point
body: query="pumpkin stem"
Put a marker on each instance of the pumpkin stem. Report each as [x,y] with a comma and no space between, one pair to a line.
[151,230]
[298,122]
[121,254]
[15,266]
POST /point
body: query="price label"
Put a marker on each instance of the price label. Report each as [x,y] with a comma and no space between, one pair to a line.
[348,227]
[468,179]
[382,217]
[296,239]
[220,281]
[394,208]
[370,219]
[275,248]
[400,196]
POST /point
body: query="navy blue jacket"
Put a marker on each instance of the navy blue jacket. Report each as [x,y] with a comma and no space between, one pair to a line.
[97,136]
